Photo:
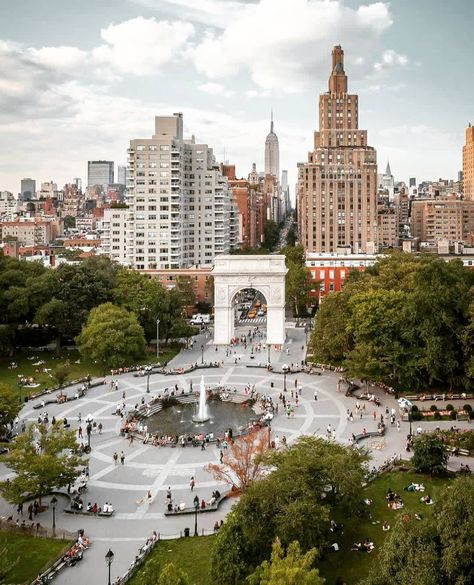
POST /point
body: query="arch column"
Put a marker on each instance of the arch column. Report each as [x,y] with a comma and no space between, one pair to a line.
[264,273]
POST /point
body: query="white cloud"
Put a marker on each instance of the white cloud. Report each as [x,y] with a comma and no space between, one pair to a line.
[208,12]
[141,46]
[390,59]
[255,93]
[283,45]
[215,89]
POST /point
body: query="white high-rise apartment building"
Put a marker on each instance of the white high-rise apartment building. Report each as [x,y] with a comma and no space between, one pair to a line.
[114,234]
[181,210]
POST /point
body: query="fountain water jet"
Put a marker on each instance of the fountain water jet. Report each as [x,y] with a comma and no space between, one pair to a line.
[203,413]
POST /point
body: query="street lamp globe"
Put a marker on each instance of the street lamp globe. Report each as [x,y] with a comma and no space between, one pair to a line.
[109,557]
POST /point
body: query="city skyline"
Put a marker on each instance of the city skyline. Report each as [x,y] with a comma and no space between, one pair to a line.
[78,83]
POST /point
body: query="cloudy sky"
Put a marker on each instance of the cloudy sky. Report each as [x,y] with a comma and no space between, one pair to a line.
[80,78]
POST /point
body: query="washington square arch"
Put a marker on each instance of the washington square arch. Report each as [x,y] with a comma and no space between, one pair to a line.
[265,274]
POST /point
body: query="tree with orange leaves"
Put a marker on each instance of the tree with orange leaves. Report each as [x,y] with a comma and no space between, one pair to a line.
[242,463]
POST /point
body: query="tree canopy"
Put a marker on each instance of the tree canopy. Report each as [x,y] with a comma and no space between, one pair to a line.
[429,454]
[42,459]
[112,336]
[405,321]
[294,503]
[292,568]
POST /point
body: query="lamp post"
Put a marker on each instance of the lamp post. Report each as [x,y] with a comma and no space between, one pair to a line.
[157,339]
[109,558]
[202,354]
[409,420]
[269,434]
[20,384]
[269,348]
[285,371]
[196,508]
[148,382]
[54,501]
[306,335]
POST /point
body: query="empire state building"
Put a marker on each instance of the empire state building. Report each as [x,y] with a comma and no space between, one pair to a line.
[272,153]
[337,187]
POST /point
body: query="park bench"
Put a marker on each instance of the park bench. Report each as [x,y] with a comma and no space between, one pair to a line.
[368,435]
[71,510]
[191,510]
[463,452]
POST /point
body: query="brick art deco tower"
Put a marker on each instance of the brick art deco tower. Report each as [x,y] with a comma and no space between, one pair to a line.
[338,185]
[468,164]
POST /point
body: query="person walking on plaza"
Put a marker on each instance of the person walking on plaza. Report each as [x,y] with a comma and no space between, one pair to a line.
[79,432]
[115,458]
[192,483]
[122,458]
[315,395]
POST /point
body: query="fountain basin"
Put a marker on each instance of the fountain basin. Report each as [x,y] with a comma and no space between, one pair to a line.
[180,419]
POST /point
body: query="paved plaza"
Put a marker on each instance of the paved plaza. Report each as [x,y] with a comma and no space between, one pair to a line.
[155,468]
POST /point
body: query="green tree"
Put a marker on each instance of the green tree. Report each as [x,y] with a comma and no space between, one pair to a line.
[455,526]
[330,340]
[228,564]
[409,556]
[9,406]
[293,502]
[54,313]
[271,233]
[294,568]
[429,454]
[291,237]
[298,283]
[69,222]
[144,296]
[82,287]
[61,373]
[383,336]
[112,336]
[171,575]
[38,472]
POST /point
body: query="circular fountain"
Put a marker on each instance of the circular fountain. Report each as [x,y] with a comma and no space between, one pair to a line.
[202,415]
[186,414]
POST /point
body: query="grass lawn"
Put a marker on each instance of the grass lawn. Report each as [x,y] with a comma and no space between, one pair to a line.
[78,367]
[33,554]
[192,555]
[353,566]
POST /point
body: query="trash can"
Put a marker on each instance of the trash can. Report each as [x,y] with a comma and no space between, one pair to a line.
[186,532]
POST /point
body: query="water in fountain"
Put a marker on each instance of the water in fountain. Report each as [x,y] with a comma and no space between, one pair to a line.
[203,413]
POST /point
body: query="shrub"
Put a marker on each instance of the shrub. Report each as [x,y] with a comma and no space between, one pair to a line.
[414,408]
[416,415]
[433,408]
[437,416]
[452,415]
[467,408]
[449,407]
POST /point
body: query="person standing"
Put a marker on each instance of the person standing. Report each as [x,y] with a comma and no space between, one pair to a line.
[115,458]
[315,396]
[192,483]
[122,458]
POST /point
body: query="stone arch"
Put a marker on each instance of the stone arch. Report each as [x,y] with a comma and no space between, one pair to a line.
[263,273]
